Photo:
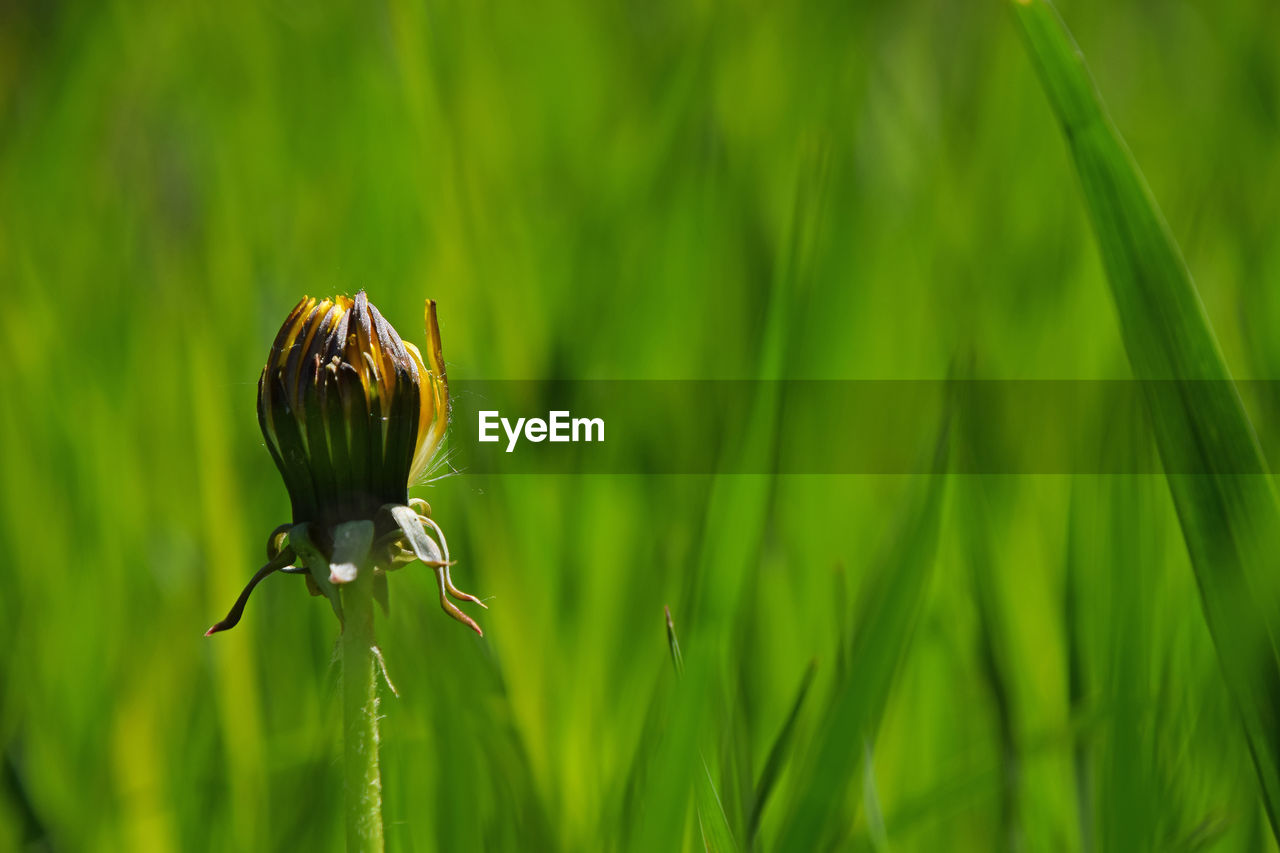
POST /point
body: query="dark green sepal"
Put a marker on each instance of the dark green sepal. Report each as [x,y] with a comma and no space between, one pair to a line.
[353,411]
[361,358]
[336,429]
[293,363]
[351,543]
[323,474]
[380,593]
[269,433]
[403,410]
[317,564]
[293,451]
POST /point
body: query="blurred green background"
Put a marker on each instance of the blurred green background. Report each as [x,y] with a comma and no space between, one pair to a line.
[623,190]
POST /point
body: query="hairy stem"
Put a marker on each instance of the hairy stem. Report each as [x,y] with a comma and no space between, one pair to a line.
[363,781]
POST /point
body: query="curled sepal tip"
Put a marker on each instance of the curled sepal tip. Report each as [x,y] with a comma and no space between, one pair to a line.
[442,579]
[446,583]
[284,557]
[434,554]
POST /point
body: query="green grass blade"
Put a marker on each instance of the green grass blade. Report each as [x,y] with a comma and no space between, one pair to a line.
[876,832]
[713,823]
[673,642]
[1218,478]
[886,617]
[717,836]
[1074,592]
[778,755]
[993,655]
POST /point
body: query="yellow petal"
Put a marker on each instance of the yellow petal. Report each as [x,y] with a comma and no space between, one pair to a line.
[433,419]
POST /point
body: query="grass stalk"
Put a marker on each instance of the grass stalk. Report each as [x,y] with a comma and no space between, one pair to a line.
[890,603]
[363,781]
[1213,463]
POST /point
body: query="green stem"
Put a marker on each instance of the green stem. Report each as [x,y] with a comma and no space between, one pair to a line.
[363,781]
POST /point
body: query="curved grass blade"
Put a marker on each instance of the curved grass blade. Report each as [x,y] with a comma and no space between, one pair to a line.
[778,755]
[1220,484]
[885,622]
[717,835]
[713,823]
[673,642]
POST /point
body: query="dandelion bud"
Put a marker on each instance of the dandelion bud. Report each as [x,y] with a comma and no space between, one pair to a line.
[350,413]
[352,416]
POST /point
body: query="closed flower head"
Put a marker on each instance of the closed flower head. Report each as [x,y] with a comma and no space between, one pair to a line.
[353,416]
[350,412]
